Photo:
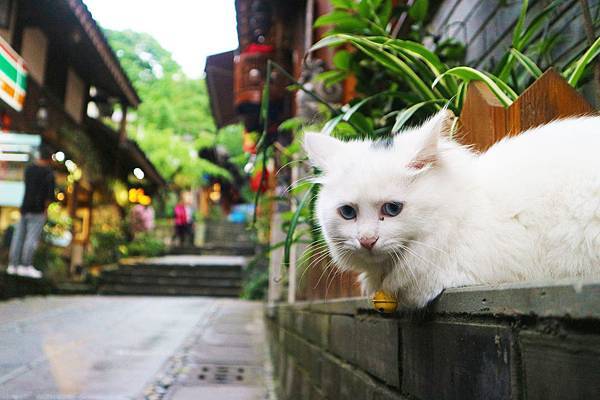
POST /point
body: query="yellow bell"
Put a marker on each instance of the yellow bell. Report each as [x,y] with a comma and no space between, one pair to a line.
[384,303]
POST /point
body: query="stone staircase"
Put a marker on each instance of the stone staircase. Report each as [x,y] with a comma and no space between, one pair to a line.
[216,269]
[222,238]
[177,275]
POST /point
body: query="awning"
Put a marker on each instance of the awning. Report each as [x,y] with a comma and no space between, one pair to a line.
[219,81]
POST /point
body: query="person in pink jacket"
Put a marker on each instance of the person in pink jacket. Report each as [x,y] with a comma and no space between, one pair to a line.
[184,220]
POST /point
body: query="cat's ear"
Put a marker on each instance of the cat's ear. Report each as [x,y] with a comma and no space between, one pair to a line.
[431,131]
[320,147]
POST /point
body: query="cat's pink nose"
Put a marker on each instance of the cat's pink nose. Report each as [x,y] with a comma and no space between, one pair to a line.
[368,242]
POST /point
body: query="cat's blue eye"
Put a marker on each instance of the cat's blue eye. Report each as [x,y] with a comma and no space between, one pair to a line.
[392,209]
[347,212]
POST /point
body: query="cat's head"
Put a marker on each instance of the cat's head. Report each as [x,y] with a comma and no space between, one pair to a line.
[378,196]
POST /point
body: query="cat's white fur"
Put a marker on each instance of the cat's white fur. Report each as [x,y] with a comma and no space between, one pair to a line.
[526,209]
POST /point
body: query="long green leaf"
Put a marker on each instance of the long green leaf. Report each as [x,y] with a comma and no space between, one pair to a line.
[328,41]
[461,93]
[527,63]
[520,22]
[289,238]
[537,24]
[503,85]
[331,124]
[578,67]
[521,39]
[337,18]
[342,3]
[471,74]
[404,115]
[420,51]
[418,11]
[428,57]
[348,114]
[393,63]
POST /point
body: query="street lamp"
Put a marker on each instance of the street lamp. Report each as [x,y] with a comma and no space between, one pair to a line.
[41,116]
[138,173]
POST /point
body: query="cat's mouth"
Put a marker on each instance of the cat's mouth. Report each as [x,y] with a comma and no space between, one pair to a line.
[384,253]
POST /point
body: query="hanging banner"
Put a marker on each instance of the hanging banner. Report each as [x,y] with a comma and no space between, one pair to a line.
[13,77]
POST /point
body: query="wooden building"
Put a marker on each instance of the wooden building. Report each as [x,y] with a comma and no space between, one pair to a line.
[70,79]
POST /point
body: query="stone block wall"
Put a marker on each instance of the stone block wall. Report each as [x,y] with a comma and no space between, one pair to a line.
[509,342]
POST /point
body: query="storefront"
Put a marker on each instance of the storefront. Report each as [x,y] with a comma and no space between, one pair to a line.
[16,151]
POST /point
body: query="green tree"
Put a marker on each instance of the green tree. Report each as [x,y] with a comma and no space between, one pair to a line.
[174,120]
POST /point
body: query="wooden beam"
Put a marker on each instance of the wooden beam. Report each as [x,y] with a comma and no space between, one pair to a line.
[123,124]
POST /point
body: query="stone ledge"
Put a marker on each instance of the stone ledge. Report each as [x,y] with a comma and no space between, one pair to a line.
[561,299]
[485,342]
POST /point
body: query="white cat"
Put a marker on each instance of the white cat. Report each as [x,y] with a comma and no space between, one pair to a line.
[422,213]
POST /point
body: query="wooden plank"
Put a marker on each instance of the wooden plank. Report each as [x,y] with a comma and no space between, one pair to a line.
[483,119]
[549,98]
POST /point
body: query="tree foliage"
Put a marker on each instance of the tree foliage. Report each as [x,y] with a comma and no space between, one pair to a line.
[174,120]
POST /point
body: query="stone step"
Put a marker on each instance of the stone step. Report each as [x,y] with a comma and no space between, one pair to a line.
[216,249]
[18,286]
[163,290]
[172,281]
[181,272]
[184,275]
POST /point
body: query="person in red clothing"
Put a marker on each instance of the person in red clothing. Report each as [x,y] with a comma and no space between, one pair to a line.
[184,220]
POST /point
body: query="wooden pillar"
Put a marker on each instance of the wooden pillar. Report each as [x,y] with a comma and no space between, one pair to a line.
[123,124]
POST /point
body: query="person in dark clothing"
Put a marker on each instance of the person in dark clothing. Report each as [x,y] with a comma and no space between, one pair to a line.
[39,193]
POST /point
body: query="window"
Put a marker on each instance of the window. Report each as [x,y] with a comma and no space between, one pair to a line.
[5,13]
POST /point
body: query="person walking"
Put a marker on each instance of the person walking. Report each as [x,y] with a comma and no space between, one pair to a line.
[184,220]
[39,193]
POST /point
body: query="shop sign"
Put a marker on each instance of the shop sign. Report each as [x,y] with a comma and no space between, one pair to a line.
[13,76]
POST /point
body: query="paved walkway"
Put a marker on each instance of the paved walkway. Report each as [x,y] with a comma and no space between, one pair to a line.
[112,348]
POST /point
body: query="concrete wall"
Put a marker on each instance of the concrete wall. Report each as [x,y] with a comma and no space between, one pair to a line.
[510,342]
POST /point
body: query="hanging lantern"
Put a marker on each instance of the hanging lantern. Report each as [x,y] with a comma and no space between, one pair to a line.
[255,181]
[249,143]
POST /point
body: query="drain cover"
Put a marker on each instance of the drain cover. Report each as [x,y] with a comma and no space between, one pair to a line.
[210,374]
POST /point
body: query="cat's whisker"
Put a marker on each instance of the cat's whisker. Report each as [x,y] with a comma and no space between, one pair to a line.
[328,281]
[404,265]
[317,259]
[298,182]
[329,264]
[428,246]
[337,272]
[415,254]
[299,161]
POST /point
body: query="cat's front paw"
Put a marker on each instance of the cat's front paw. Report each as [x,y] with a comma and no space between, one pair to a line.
[369,283]
[410,297]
